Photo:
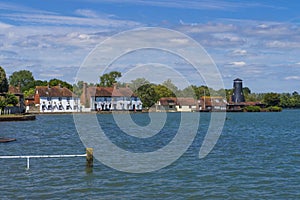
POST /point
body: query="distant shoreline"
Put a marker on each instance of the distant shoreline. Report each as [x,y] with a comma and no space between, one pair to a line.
[5,118]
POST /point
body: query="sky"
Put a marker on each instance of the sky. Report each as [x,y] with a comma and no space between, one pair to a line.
[257,41]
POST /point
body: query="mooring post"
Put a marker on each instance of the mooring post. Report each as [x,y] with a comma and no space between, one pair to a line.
[89,157]
[27,163]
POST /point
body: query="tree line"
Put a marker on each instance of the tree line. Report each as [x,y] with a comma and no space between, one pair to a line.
[148,92]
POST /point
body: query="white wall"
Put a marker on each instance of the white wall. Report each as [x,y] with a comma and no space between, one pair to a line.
[116,103]
[57,104]
[185,108]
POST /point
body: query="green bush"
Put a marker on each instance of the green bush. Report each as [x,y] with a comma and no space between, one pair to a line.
[252,109]
[274,109]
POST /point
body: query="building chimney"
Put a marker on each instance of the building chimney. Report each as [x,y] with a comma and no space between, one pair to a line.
[83,97]
[238,95]
[115,86]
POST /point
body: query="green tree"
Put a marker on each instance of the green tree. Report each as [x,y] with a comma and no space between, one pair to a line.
[78,87]
[107,80]
[147,94]
[137,83]
[29,93]
[40,83]
[11,99]
[3,81]
[188,92]
[202,91]
[3,104]
[271,99]
[228,93]
[24,78]
[56,82]
[285,100]
[163,91]
[171,86]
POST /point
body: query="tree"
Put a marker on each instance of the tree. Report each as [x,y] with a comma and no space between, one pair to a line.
[137,83]
[11,99]
[171,86]
[29,93]
[3,104]
[3,81]
[188,92]
[56,82]
[24,78]
[163,91]
[40,83]
[147,94]
[200,91]
[78,88]
[107,80]
[271,99]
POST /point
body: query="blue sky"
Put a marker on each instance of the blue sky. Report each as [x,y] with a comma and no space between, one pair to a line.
[258,41]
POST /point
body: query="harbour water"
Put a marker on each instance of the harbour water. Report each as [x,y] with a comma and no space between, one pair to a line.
[256,157]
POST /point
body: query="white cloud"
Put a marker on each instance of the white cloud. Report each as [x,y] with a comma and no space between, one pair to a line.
[49,75]
[238,63]
[239,52]
[207,27]
[292,78]
[228,37]
[283,44]
[4,25]
[86,13]
[193,4]
[263,26]
[50,19]
[179,41]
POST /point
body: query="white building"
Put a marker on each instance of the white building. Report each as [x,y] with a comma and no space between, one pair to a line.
[56,99]
[110,98]
[174,104]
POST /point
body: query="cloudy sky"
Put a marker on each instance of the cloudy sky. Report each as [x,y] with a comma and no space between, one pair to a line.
[257,41]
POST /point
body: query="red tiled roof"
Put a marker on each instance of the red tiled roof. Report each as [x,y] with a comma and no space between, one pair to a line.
[213,101]
[185,101]
[14,90]
[165,101]
[56,91]
[109,92]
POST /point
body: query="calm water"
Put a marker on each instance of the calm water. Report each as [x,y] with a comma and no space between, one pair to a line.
[256,157]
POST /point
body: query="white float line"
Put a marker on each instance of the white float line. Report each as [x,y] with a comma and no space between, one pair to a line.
[41,156]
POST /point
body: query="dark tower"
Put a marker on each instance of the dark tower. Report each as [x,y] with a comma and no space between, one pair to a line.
[238,95]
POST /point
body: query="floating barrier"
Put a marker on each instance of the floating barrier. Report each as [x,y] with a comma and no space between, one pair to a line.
[88,155]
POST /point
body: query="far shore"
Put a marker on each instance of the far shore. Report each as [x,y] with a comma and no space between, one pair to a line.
[17,117]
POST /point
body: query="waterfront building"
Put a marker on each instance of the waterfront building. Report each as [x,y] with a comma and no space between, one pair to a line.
[56,99]
[110,99]
[20,107]
[173,104]
[215,103]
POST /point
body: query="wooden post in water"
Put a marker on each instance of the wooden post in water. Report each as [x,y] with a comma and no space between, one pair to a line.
[89,157]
